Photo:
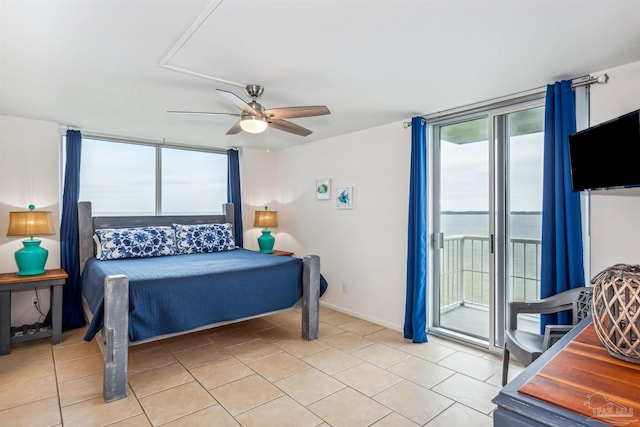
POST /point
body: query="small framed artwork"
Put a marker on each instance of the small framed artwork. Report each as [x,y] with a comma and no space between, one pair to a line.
[344,197]
[323,189]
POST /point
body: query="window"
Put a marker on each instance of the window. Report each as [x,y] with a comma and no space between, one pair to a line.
[127,178]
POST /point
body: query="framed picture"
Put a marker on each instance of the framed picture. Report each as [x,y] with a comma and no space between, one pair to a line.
[323,189]
[344,197]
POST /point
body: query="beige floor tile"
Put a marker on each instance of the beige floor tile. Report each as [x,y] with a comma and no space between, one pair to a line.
[348,408]
[253,350]
[42,413]
[496,379]
[95,412]
[361,327]
[421,372]
[347,342]
[388,337]
[325,330]
[332,361]
[198,356]
[335,318]
[136,421]
[207,417]
[381,355]
[281,412]
[471,365]
[413,401]
[469,391]
[27,391]
[396,420]
[461,415]
[246,393]
[79,389]
[309,386]
[430,351]
[74,336]
[142,348]
[367,378]
[230,337]
[23,371]
[289,319]
[140,361]
[221,372]
[176,402]
[301,347]
[464,348]
[77,368]
[278,366]
[27,352]
[75,351]
[279,333]
[186,341]
[159,379]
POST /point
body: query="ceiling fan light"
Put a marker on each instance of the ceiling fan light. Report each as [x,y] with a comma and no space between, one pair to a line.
[253,124]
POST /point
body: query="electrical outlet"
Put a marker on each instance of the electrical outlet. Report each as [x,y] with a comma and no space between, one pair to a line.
[34,301]
[344,288]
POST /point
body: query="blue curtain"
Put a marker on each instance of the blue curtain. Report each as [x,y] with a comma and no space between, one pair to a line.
[72,313]
[561,264]
[415,317]
[233,193]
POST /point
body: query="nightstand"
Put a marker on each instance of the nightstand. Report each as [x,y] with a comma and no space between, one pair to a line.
[282,253]
[54,279]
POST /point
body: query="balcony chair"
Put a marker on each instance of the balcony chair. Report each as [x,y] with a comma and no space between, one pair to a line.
[528,346]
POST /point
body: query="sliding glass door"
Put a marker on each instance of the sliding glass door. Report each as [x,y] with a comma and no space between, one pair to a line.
[487,200]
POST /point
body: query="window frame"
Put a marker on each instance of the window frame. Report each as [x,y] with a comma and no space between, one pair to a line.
[157,146]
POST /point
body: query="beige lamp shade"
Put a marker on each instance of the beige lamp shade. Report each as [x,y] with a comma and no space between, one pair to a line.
[30,223]
[266,219]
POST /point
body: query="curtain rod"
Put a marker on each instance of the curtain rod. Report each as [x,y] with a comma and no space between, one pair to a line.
[577,82]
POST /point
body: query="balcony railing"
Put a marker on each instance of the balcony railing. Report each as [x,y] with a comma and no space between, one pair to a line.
[464,270]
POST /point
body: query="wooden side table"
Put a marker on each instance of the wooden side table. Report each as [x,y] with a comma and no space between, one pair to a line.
[281,253]
[11,281]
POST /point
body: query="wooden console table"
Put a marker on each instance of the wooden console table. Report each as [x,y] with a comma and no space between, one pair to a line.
[54,279]
[575,383]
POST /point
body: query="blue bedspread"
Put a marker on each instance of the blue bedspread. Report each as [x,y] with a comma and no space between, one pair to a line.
[182,292]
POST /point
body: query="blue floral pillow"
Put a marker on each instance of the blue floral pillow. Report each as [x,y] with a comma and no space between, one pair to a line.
[203,238]
[136,242]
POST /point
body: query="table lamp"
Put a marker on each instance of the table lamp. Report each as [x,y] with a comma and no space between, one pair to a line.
[266,218]
[31,258]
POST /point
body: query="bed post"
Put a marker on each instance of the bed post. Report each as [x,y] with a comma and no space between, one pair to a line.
[85,233]
[310,297]
[116,327]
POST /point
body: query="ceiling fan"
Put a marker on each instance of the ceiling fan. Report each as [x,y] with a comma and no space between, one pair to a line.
[254,118]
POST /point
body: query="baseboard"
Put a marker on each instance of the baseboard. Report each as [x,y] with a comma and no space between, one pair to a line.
[371,319]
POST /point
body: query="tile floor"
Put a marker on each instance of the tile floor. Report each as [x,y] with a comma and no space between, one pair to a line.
[257,373]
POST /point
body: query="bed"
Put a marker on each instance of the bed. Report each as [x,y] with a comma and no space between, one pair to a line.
[139,298]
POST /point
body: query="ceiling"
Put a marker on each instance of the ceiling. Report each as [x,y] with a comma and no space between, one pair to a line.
[115,67]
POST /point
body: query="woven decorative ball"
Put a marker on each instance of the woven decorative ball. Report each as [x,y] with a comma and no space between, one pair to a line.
[616,310]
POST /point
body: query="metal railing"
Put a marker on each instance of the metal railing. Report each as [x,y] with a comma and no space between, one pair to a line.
[464,271]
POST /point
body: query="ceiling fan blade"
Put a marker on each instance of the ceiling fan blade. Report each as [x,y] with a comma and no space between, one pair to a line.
[237,101]
[202,113]
[296,112]
[286,126]
[234,129]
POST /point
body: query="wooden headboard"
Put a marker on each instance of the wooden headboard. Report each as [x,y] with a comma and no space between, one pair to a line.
[87,224]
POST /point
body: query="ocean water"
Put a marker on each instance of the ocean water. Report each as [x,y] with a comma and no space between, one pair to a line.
[522,225]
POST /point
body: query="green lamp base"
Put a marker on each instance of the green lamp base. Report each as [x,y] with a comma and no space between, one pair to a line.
[31,258]
[266,241]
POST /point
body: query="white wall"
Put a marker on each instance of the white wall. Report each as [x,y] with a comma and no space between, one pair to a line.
[29,174]
[615,215]
[363,248]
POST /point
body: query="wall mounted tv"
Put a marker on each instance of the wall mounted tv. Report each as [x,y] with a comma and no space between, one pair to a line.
[606,155]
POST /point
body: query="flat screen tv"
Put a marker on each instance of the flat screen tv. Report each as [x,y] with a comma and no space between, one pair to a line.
[606,155]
